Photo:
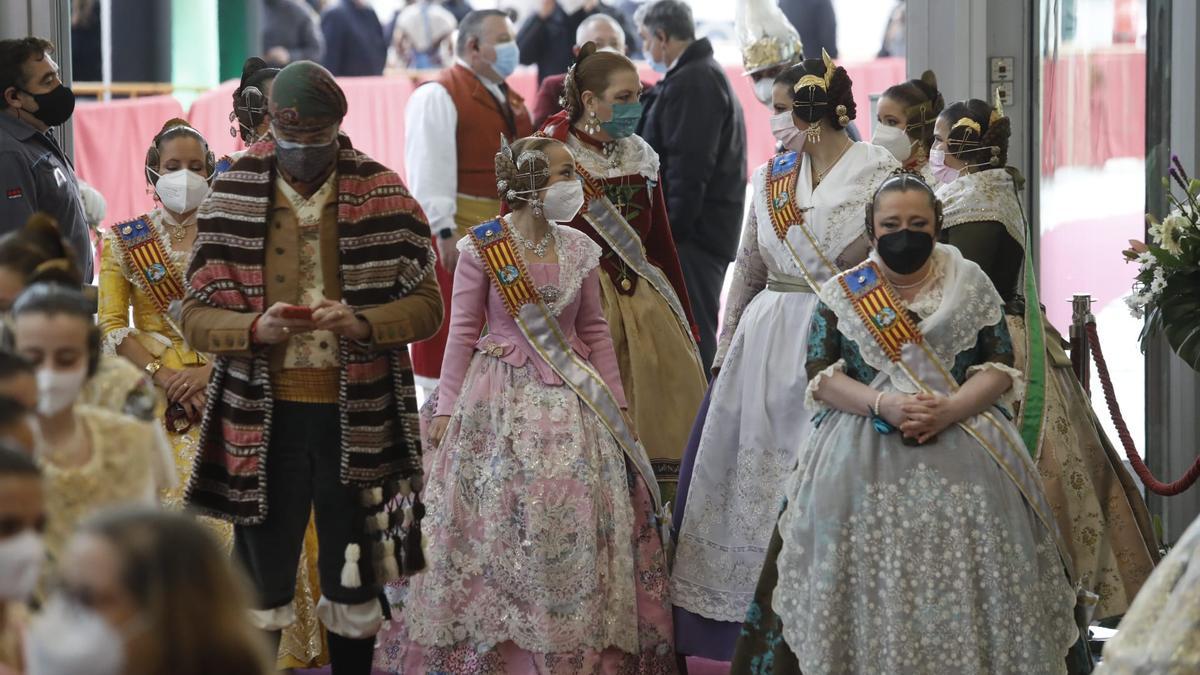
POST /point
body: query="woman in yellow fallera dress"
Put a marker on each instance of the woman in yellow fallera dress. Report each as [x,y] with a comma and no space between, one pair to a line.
[142,266]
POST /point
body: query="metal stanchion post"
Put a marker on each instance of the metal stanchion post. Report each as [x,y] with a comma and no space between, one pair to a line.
[1081,358]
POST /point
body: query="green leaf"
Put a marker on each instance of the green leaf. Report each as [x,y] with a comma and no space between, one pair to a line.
[1194,187]
[1178,314]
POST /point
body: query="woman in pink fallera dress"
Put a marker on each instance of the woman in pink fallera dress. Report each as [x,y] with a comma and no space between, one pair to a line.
[542,544]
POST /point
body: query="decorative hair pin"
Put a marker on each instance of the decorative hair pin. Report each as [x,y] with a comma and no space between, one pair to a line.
[843,118]
[821,82]
[968,123]
[997,107]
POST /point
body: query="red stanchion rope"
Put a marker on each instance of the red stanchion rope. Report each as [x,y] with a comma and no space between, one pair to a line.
[1153,484]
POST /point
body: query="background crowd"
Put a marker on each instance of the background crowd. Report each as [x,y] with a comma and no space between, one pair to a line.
[264,310]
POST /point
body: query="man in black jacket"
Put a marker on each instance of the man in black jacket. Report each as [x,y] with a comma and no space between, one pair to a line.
[694,122]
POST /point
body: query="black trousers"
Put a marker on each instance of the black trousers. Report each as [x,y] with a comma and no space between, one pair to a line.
[303,464]
[704,275]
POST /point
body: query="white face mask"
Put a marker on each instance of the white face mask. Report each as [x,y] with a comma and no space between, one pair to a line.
[783,128]
[58,389]
[563,201]
[181,191]
[764,90]
[21,557]
[67,638]
[894,140]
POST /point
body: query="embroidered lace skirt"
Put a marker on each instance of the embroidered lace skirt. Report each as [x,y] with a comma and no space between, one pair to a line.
[1096,502]
[921,560]
[751,438]
[542,549]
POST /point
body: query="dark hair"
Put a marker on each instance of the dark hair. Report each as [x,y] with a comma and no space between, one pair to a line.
[14,54]
[54,299]
[922,104]
[813,103]
[13,462]
[250,98]
[672,17]
[174,128]
[12,364]
[39,253]
[12,412]
[592,72]
[471,27]
[903,180]
[981,142]
[194,599]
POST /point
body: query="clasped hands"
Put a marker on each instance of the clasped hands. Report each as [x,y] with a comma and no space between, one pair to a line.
[919,416]
[274,327]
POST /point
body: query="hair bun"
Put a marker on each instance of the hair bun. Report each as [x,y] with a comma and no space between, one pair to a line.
[928,82]
[172,123]
[585,51]
[252,66]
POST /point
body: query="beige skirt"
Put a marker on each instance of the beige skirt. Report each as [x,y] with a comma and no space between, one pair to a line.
[663,380]
[1096,502]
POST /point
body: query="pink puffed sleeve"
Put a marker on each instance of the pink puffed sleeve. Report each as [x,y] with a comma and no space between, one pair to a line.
[592,328]
[468,307]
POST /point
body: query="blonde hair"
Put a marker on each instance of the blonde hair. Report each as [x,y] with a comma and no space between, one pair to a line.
[522,169]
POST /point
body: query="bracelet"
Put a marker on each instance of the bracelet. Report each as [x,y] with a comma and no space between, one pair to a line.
[153,367]
[875,408]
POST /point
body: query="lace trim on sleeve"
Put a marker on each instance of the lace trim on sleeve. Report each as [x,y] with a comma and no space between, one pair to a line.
[113,339]
[811,404]
[1015,394]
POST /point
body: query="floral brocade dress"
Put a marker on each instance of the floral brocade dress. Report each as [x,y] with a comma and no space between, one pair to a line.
[658,357]
[896,558]
[1095,500]
[542,551]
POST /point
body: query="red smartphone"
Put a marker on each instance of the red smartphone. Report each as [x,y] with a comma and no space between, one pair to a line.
[299,312]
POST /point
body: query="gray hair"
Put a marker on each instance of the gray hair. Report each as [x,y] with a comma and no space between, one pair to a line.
[594,19]
[672,17]
[472,27]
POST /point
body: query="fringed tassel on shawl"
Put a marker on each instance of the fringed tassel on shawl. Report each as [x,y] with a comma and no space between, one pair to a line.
[351,577]
[394,529]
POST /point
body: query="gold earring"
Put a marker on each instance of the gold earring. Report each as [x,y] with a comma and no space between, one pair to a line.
[813,133]
[843,119]
[591,125]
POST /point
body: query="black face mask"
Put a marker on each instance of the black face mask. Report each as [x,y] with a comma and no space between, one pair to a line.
[905,251]
[54,106]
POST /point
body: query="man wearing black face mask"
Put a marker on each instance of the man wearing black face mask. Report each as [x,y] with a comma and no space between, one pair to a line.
[311,273]
[35,174]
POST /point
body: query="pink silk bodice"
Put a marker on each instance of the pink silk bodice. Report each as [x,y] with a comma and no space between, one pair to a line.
[577,307]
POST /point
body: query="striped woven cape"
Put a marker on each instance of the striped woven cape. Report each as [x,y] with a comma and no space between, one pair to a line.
[384,252]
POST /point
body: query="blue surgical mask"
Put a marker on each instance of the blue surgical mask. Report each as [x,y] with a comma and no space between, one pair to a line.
[508,55]
[624,120]
[656,66]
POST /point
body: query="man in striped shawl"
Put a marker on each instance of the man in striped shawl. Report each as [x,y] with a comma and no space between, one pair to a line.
[312,272]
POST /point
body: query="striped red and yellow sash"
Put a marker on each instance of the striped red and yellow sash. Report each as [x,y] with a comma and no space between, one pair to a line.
[881,311]
[145,256]
[504,265]
[782,175]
